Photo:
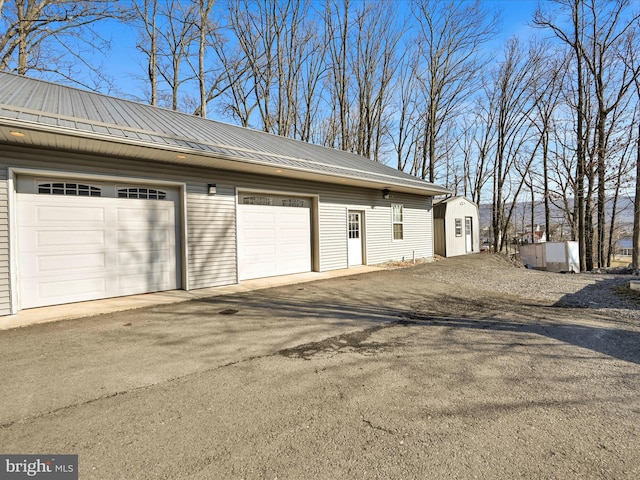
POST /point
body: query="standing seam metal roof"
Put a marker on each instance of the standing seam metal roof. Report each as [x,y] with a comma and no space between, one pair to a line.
[40,102]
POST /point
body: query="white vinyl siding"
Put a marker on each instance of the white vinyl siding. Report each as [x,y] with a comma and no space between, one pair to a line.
[333,235]
[211,255]
[211,236]
[377,231]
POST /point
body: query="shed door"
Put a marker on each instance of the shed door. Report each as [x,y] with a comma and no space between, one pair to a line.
[74,248]
[468,234]
[273,239]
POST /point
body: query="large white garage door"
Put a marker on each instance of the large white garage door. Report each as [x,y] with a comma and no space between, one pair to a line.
[75,247]
[273,239]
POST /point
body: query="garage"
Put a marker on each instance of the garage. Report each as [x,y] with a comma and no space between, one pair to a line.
[82,240]
[274,235]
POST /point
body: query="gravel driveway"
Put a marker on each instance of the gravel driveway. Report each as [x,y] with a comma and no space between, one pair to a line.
[461,368]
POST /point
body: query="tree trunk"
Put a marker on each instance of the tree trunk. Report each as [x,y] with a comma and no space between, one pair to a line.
[23,54]
[601,127]
[202,44]
[545,168]
[153,57]
[635,256]
[580,147]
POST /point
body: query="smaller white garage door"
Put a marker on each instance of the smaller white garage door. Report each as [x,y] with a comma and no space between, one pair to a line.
[74,248]
[273,239]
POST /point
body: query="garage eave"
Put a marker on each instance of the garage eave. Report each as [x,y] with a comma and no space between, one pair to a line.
[204,155]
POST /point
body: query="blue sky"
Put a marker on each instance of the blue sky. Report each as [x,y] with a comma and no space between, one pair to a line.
[123,61]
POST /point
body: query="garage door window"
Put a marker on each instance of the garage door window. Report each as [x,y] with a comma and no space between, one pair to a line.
[136,192]
[60,188]
[257,200]
[294,202]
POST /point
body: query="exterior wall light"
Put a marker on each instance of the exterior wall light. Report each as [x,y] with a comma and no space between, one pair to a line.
[386,194]
[212,189]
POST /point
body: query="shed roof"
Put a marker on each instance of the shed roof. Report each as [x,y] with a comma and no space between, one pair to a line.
[454,198]
[61,117]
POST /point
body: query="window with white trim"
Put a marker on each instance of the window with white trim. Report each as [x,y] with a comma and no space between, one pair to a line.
[138,192]
[64,188]
[397,221]
[458,227]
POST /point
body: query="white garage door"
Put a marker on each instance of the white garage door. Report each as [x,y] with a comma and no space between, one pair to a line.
[75,247]
[273,239]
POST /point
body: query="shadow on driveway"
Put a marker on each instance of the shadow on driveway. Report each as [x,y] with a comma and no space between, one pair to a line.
[617,343]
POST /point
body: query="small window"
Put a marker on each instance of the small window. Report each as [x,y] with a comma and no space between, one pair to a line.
[60,188]
[397,222]
[293,202]
[354,225]
[145,193]
[257,200]
[458,227]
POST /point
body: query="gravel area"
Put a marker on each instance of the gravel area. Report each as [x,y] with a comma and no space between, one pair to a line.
[495,275]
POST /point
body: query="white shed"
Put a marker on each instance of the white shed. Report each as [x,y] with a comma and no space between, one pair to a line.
[456,229]
[557,257]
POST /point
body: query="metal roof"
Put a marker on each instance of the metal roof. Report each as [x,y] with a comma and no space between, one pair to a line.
[58,116]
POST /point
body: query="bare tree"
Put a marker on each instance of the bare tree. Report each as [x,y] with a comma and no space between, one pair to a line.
[374,61]
[313,73]
[635,257]
[237,101]
[205,29]
[561,173]
[177,34]
[55,38]
[599,32]
[337,19]
[405,134]
[546,89]
[513,105]
[606,37]
[450,38]
[145,15]
[574,39]
[478,173]
[272,36]
[619,177]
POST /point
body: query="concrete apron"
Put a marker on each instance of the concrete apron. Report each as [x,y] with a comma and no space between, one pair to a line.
[108,305]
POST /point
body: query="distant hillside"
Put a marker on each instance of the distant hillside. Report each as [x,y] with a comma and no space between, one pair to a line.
[624,217]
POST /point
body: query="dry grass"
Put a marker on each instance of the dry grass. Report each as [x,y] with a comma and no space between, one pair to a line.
[392,265]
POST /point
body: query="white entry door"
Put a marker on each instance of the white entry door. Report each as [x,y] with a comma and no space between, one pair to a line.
[468,233]
[76,248]
[273,240]
[354,242]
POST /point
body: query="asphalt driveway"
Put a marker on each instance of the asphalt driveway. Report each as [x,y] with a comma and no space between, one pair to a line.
[422,372]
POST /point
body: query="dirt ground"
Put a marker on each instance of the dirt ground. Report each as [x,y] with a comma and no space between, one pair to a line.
[461,368]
